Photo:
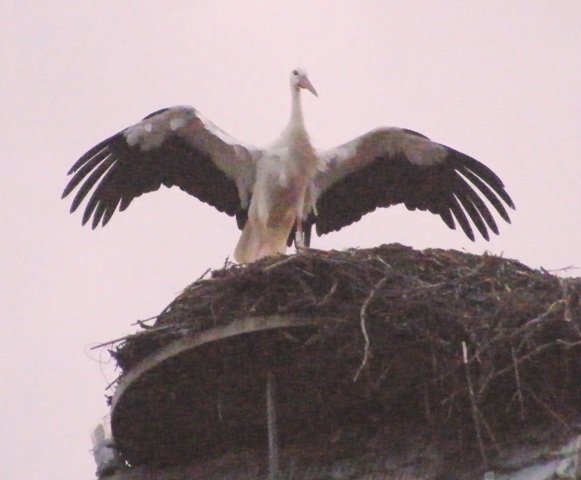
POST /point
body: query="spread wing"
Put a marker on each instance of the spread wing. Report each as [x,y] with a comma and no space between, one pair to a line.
[391,166]
[173,147]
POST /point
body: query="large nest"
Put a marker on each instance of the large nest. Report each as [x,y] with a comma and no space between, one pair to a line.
[435,337]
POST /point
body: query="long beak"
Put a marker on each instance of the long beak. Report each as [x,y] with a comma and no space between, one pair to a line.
[304,82]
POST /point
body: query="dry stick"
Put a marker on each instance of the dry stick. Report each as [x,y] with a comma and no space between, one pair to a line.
[278,264]
[273,465]
[381,260]
[553,308]
[567,344]
[490,433]
[518,361]
[141,323]
[133,335]
[306,289]
[203,274]
[475,412]
[307,273]
[530,324]
[329,294]
[363,317]
[548,409]
[111,342]
[518,383]
[113,383]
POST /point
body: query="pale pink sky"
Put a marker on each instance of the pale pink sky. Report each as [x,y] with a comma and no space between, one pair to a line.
[498,80]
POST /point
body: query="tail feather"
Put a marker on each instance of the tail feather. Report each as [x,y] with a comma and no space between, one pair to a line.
[258,241]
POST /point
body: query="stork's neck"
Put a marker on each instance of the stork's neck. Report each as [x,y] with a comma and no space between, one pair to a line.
[296,122]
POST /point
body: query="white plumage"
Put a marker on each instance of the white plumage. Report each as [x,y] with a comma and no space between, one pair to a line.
[279,192]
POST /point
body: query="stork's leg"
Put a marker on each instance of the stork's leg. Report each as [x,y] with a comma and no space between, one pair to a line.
[299,237]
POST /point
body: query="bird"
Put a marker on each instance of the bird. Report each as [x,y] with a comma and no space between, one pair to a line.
[280,192]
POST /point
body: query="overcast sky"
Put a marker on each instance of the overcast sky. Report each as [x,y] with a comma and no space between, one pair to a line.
[498,80]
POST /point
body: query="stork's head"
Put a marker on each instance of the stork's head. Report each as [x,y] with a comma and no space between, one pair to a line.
[299,79]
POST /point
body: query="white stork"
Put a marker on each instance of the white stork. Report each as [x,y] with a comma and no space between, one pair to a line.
[279,192]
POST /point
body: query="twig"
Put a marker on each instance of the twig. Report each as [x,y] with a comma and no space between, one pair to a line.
[571,292]
[205,273]
[475,411]
[306,289]
[329,294]
[432,286]
[111,342]
[278,264]
[562,269]
[381,260]
[363,318]
[490,433]
[553,308]
[113,383]
[141,323]
[516,362]
[518,383]
[530,324]
[567,344]
[273,464]
[308,274]
[135,335]
[548,409]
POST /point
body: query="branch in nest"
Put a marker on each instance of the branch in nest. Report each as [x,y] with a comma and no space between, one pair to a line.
[515,364]
[111,342]
[518,383]
[529,325]
[329,294]
[476,415]
[135,335]
[201,277]
[363,318]
[278,264]
[554,414]
[568,344]
[142,323]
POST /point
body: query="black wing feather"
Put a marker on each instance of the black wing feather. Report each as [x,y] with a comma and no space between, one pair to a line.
[81,173]
[125,172]
[461,217]
[90,181]
[448,188]
[491,195]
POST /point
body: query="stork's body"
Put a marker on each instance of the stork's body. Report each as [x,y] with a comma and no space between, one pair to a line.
[284,172]
[280,192]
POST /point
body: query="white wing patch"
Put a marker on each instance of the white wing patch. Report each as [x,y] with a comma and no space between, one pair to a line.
[420,150]
[218,132]
[177,123]
[151,133]
[233,157]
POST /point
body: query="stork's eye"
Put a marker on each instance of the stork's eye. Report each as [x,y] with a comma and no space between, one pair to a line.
[295,72]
